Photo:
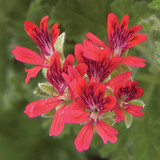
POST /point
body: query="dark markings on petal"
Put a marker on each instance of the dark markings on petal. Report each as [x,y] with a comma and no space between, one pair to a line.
[120,39]
[54,76]
[101,69]
[128,92]
[43,40]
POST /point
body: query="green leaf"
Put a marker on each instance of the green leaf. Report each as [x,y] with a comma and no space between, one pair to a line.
[121,7]
[37,10]
[137,102]
[109,114]
[151,52]
[80,16]
[155,4]
[121,68]
[59,45]
[138,10]
[107,79]
[46,87]
[44,71]
[128,119]
[119,150]
[125,53]
[110,121]
[40,93]
[49,114]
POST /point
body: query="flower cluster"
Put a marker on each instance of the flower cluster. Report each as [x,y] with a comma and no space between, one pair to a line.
[97,92]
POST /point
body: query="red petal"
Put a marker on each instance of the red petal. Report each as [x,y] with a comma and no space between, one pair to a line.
[106,132]
[95,39]
[68,62]
[135,110]
[106,52]
[119,114]
[118,80]
[54,33]
[99,92]
[93,84]
[115,62]
[58,122]
[74,113]
[81,68]
[26,55]
[82,86]
[44,24]
[83,140]
[129,90]
[31,73]
[73,73]
[139,38]
[55,61]
[40,36]
[112,24]
[133,61]
[79,53]
[40,107]
[32,30]
[44,32]
[135,29]
[72,85]
[124,22]
[109,103]
[92,51]
[72,89]
[66,77]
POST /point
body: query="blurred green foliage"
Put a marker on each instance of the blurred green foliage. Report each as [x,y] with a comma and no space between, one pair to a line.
[23,138]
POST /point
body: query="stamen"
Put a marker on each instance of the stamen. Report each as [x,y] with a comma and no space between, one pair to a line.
[48,58]
[94,116]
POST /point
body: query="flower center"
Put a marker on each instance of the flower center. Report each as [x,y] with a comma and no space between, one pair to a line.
[123,104]
[48,58]
[118,51]
[65,97]
[94,114]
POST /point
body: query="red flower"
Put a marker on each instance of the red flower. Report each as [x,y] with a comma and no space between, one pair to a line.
[54,76]
[60,86]
[54,73]
[121,39]
[45,42]
[99,66]
[125,93]
[72,78]
[89,107]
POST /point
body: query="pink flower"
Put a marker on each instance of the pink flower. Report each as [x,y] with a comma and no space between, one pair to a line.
[120,39]
[45,42]
[89,108]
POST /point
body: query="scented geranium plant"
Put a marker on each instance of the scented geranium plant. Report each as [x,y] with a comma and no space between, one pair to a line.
[97,92]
